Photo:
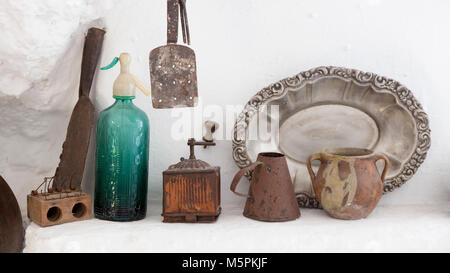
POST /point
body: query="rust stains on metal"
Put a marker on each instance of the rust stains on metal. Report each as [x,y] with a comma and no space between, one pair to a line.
[172,21]
[191,190]
[271,195]
[173,70]
[69,174]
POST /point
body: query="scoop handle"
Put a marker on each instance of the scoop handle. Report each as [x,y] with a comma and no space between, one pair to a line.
[172,21]
[175,9]
[91,54]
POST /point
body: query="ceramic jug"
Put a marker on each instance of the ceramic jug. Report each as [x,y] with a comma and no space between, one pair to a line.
[271,195]
[348,184]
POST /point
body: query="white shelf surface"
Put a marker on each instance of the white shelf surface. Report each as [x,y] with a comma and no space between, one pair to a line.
[406,228]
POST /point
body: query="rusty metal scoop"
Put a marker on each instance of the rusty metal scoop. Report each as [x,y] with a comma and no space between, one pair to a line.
[173,72]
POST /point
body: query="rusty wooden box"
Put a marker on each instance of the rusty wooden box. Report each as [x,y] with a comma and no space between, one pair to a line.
[191,190]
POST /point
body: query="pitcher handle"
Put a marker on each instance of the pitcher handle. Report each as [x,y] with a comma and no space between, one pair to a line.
[386,165]
[239,175]
[316,156]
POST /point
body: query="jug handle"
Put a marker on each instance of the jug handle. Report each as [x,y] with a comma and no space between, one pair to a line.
[316,156]
[239,175]
[386,165]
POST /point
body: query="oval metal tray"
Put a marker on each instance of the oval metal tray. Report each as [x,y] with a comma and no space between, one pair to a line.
[333,107]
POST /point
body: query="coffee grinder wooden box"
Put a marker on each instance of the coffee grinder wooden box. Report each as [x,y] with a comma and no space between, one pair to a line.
[191,190]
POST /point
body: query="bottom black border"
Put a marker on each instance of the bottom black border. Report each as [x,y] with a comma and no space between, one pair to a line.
[223,262]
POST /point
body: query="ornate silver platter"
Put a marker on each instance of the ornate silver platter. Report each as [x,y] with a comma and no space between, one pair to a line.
[333,107]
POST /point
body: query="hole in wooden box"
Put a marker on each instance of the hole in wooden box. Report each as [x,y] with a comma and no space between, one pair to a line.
[79,210]
[53,214]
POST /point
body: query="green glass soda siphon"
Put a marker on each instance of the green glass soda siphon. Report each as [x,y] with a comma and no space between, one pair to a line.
[121,173]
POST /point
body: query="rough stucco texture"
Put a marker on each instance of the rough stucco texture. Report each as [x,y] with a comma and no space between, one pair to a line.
[40,57]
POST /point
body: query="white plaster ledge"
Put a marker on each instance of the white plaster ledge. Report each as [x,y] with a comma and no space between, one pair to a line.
[406,228]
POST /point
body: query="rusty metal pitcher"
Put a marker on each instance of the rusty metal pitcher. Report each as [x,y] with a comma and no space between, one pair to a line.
[347,184]
[271,195]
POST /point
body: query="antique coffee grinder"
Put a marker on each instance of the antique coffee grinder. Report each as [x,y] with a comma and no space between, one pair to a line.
[191,189]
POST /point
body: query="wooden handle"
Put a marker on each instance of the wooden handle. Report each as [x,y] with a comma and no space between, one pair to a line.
[91,54]
[316,156]
[239,175]
[386,165]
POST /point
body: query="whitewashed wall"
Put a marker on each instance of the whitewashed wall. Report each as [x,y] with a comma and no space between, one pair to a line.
[241,47]
[40,58]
